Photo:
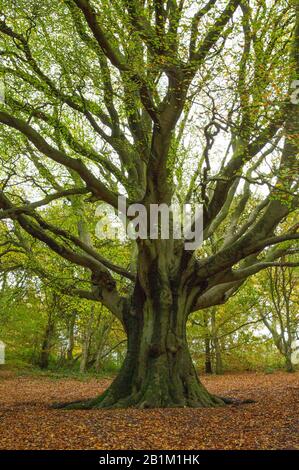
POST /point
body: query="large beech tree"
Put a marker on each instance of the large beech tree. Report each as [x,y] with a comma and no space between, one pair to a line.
[160,101]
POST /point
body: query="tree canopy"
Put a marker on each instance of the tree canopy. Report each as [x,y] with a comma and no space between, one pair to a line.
[159,101]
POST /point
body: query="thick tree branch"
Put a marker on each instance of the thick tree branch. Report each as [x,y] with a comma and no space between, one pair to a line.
[98,189]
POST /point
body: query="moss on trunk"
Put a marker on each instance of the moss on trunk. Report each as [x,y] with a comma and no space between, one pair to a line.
[158,371]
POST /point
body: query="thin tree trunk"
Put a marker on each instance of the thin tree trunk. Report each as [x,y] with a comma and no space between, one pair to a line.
[207,340]
[288,363]
[71,337]
[218,359]
[208,356]
[86,342]
[104,332]
[46,345]
[217,348]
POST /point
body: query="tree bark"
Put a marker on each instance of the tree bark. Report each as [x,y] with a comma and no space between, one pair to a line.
[158,371]
[86,342]
[208,356]
[216,344]
[46,345]
[152,378]
[218,359]
[71,337]
[207,340]
[103,335]
[288,364]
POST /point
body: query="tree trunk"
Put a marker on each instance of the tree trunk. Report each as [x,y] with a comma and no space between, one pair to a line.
[207,340]
[158,370]
[152,378]
[103,335]
[218,359]
[46,346]
[208,356]
[86,342]
[71,337]
[282,345]
[288,364]
[216,344]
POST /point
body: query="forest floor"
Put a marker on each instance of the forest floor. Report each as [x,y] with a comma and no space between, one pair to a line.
[27,421]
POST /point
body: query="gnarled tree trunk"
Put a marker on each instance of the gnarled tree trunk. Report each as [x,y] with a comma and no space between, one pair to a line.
[158,369]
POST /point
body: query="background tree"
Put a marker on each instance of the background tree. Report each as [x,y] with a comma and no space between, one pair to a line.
[278,308]
[140,99]
[233,331]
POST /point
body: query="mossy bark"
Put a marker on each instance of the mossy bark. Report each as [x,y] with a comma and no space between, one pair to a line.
[158,370]
[156,379]
[157,373]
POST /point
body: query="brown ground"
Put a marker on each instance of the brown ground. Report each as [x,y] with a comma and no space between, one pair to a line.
[26,422]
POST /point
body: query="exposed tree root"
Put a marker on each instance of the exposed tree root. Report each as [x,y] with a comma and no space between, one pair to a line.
[129,402]
[236,401]
[72,405]
[134,402]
